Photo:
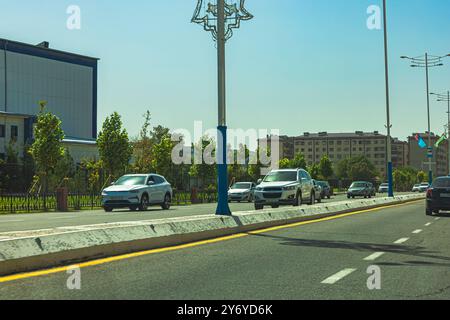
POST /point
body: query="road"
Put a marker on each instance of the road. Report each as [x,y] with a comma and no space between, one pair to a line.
[38,221]
[327,259]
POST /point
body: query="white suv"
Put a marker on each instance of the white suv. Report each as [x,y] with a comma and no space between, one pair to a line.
[138,191]
[285,187]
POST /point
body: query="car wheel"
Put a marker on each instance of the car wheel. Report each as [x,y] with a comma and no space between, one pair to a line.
[166,203]
[275,206]
[250,198]
[313,199]
[108,209]
[144,203]
[329,197]
[133,208]
[298,200]
[258,207]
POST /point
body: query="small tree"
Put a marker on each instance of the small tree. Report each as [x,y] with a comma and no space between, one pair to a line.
[47,149]
[114,146]
[142,148]
[162,157]
[326,168]
[421,177]
[298,162]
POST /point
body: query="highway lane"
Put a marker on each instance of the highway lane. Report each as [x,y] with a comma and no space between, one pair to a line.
[37,221]
[322,260]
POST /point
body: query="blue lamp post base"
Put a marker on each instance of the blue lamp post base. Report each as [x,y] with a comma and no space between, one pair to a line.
[222,169]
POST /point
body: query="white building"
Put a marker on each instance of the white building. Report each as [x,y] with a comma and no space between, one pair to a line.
[67,81]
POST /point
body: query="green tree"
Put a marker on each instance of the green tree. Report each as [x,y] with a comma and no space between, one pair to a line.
[47,149]
[421,177]
[326,168]
[314,171]
[114,146]
[342,169]
[284,164]
[298,162]
[204,172]
[162,157]
[142,148]
[360,168]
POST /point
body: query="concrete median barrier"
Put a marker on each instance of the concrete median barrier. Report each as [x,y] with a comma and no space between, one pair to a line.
[32,250]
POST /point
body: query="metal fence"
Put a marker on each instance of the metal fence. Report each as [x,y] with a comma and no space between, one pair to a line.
[27,203]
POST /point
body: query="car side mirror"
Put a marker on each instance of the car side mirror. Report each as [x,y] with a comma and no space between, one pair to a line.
[259,181]
[151,183]
[113,183]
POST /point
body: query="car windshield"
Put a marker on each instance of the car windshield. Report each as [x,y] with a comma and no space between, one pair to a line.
[441,183]
[242,186]
[384,185]
[281,176]
[131,181]
[358,185]
[322,184]
[425,184]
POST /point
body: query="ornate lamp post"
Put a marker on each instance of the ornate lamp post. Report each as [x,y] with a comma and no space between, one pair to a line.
[220,17]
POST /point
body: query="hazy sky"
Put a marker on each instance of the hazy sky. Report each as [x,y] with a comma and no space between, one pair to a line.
[300,65]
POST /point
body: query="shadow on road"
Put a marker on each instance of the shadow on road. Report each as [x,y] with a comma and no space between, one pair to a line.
[415,251]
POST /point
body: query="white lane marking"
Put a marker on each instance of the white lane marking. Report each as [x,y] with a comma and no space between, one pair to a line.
[402,240]
[338,276]
[437,219]
[428,224]
[374,256]
[60,218]
[6,221]
[417,231]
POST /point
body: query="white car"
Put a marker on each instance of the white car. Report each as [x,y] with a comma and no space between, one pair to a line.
[241,191]
[285,187]
[416,188]
[138,191]
[424,186]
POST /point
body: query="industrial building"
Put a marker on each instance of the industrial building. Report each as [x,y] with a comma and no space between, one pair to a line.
[66,81]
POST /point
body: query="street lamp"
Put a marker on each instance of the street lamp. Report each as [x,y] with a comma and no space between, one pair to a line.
[427,62]
[220,17]
[445,98]
[388,121]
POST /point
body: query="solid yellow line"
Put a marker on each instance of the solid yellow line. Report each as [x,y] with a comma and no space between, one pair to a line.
[184,246]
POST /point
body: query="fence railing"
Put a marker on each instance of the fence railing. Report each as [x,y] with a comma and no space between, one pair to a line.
[27,203]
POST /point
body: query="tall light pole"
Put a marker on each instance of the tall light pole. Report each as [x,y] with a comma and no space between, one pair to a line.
[219,18]
[427,62]
[388,115]
[446,98]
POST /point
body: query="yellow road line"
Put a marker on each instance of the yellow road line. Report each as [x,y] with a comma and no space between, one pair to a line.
[184,246]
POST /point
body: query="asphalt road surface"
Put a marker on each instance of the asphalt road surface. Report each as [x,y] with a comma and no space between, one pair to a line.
[327,259]
[38,221]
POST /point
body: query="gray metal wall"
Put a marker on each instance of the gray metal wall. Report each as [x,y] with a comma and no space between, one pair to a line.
[68,89]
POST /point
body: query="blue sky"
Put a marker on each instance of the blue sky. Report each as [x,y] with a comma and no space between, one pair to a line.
[300,65]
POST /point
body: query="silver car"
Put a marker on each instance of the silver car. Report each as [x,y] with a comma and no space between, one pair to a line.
[285,187]
[241,191]
[138,191]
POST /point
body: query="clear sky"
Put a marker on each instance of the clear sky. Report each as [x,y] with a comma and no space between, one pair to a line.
[300,65]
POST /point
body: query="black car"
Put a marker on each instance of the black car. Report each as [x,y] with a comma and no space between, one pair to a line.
[327,192]
[438,196]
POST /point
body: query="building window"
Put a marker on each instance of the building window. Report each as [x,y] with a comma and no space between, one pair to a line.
[2,130]
[14,132]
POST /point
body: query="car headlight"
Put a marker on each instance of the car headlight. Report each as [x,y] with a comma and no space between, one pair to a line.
[289,188]
[104,194]
[259,189]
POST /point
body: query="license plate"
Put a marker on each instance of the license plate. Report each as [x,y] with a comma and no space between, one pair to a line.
[117,198]
[445,195]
